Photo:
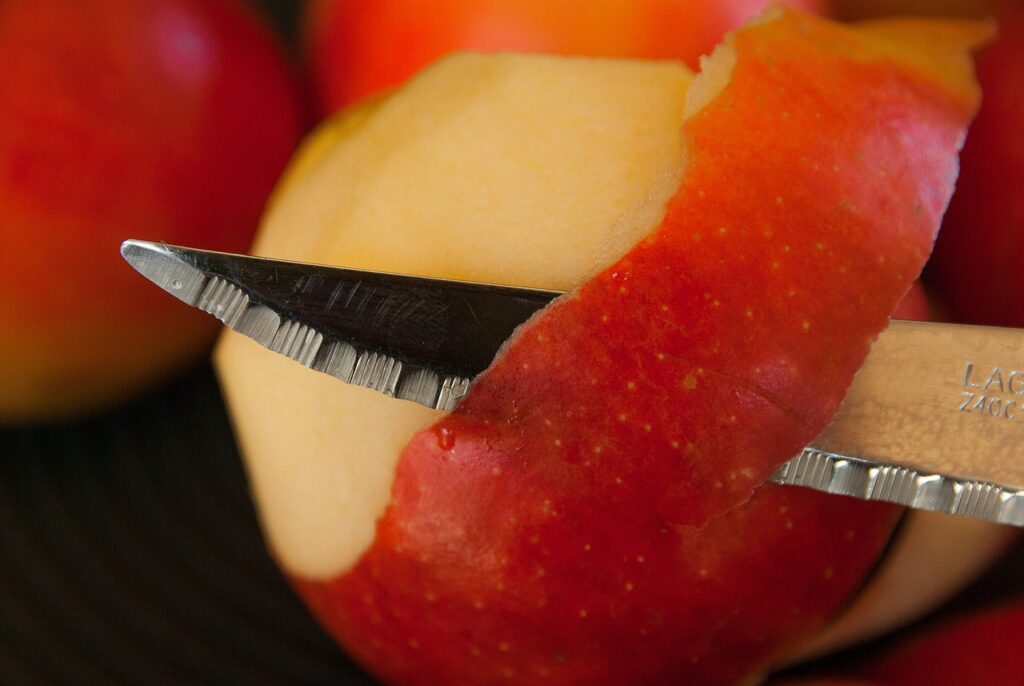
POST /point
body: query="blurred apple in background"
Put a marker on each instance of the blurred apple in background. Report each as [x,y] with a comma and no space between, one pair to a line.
[978,262]
[358,48]
[161,119]
[853,10]
[975,269]
[983,648]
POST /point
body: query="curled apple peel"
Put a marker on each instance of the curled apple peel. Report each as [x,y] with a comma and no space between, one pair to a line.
[595,511]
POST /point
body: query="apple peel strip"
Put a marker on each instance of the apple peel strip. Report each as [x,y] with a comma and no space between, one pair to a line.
[612,462]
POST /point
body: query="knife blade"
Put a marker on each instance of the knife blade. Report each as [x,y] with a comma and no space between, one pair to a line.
[933,420]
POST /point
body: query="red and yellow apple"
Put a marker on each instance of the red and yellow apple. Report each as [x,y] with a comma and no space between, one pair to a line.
[358,48]
[595,511]
[162,119]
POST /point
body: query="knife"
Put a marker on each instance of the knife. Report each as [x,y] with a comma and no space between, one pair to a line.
[934,419]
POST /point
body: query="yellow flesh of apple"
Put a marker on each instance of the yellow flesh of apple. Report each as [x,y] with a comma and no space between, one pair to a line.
[526,170]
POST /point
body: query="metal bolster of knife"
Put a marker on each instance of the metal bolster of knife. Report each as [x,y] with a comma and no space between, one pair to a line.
[434,321]
[844,475]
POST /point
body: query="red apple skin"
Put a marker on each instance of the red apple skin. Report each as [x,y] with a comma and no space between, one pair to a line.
[613,527]
[161,119]
[356,48]
[981,649]
[977,263]
[915,305]
[855,10]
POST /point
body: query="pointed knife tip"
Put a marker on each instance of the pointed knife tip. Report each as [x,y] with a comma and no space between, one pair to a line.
[164,266]
[133,248]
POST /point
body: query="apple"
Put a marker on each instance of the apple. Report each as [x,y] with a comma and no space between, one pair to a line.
[852,10]
[969,275]
[982,648]
[595,511]
[869,9]
[906,584]
[356,49]
[166,119]
[977,261]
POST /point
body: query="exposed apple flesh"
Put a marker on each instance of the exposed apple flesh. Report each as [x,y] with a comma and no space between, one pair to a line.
[508,169]
[589,514]
[932,557]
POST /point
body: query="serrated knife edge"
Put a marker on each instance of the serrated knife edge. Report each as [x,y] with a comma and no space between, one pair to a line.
[344,360]
[849,476]
[823,470]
